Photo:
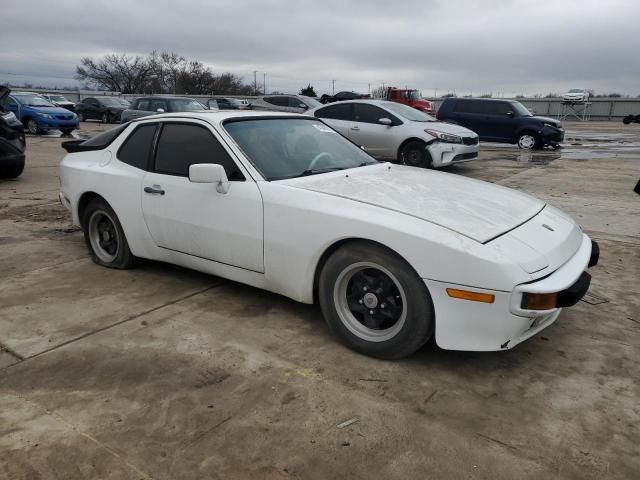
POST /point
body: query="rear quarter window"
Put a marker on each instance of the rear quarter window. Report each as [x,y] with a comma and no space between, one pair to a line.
[105,139]
[136,149]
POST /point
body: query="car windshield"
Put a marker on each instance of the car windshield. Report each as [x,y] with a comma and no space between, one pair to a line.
[111,101]
[311,102]
[186,105]
[293,147]
[521,110]
[575,90]
[34,101]
[57,98]
[408,112]
[415,94]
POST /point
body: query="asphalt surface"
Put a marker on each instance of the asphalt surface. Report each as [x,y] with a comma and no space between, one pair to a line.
[165,373]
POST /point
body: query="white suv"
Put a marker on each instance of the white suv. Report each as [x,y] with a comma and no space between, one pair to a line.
[395,132]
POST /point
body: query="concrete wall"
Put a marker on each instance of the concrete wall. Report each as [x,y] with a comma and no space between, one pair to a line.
[600,108]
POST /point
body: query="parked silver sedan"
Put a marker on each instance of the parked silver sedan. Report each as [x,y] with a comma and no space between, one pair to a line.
[395,132]
[285,103]
[145,106]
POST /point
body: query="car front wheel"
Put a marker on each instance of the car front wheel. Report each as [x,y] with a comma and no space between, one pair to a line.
[105,237]
[106,118]
[375,302]
[527,141]
[415,154]
[32,127]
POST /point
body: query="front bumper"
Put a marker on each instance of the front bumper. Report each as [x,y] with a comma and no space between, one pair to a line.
[552,136]
[443,154]
[56,124]
[503,324]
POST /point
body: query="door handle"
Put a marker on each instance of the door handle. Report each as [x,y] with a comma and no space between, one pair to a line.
[155,190]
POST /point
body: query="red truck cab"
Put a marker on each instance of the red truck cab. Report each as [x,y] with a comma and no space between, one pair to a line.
[410,97]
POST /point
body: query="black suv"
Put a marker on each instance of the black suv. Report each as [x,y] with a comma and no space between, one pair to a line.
[506,121]
[12,141]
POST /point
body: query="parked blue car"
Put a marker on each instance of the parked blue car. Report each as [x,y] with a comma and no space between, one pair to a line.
[39,115]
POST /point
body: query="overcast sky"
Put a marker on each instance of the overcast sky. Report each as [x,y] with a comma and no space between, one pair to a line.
[506,47]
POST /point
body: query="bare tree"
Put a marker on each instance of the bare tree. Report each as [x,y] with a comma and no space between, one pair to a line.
[121,73]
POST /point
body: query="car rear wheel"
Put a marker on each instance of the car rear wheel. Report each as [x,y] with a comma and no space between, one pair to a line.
[106,118]
[528,141]
[105,237]
[66,131]
[374,302]
[415,154]
[83,117]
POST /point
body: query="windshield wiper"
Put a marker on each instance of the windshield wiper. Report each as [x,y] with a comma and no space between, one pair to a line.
[315,171]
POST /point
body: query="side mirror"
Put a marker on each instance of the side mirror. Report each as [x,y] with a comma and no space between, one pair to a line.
[303,106]
[510,114]
[160,110]
[385,121]
[209,173]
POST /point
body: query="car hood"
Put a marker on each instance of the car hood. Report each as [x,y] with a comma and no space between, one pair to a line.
[550,120]
[475,209]
[52,110]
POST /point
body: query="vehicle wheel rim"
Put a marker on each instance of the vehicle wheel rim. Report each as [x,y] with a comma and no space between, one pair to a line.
[103,236]
[32,126]
[414,157]
[370,301]
[526,141]
[104,118]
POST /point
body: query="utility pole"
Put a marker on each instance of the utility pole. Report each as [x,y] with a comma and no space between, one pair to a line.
[333,88]
[369,88]
[255,82]
[264,83]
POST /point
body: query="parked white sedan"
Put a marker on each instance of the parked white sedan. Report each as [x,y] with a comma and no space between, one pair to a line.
[282,202]
[398,133]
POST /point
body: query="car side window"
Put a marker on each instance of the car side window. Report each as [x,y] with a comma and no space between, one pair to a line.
[473,106]
[279,101]
[156,104]
[143,105]
[339,111]
[501,108]
[136,149]
[369,113]
[183,144]
[295,102]
[89,101]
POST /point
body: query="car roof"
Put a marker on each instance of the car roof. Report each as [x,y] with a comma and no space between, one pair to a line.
[222,115]
[24,93]
[161,97]
[464,99]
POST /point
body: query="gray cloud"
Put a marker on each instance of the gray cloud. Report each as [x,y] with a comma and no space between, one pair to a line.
[463,46]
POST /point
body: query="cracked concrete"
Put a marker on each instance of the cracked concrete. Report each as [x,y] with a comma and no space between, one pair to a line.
[164,373]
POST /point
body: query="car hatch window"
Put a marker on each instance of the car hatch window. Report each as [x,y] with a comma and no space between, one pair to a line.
[183,144]
[137,147]
[368,113]
[339,111]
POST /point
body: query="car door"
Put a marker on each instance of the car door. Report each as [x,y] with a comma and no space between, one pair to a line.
[338,115]
[380,141]
[194,218]
[90,108]
[502,121]
[474,115]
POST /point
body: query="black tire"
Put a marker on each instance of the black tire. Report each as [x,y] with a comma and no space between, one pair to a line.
[528,141]
[83,117]
[106,118]
[99,220]
[66,131]
[32,127]
[13,170]
[626,120]
[414,321]
[415,154]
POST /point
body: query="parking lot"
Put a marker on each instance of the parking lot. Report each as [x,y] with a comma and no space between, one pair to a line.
[165,373]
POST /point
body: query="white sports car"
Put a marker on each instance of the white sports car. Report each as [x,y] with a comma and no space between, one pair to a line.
[393,254]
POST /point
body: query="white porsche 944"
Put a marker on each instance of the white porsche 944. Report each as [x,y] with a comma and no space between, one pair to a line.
[393,254]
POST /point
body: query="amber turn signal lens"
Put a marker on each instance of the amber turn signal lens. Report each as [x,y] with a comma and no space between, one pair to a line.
[539,301]
[473,296]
